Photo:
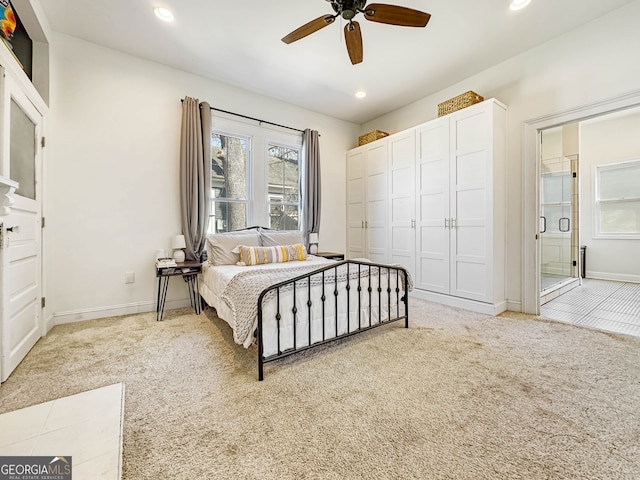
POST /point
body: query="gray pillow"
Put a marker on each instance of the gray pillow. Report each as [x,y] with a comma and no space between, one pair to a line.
[274,238]
[220,246]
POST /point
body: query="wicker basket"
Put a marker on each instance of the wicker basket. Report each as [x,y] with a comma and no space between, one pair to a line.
[458,103]
[371,136]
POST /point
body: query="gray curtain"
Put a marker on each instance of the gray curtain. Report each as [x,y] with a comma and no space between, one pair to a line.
[195,175]
[311,212]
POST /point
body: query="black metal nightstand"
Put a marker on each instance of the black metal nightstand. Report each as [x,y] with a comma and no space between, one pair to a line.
[189,271]
[330,255]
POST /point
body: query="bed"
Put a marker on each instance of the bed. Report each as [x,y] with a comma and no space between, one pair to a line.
[291,305]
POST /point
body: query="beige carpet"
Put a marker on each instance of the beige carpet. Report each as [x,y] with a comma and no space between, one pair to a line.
[457,396]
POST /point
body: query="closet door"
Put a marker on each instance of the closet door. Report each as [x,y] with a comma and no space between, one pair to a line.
[356,204]
[432,206]
[402,165]
[471,204]
[377,208]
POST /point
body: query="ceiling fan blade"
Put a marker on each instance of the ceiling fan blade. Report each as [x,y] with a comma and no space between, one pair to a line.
[394,15]
[309,28]
[353,37]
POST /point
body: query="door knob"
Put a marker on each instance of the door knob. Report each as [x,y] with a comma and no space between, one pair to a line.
[14,229]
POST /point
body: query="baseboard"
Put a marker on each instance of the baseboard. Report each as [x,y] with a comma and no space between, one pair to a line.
[49,323]
[514,306]
[616,277]
[60,318]
[464,303]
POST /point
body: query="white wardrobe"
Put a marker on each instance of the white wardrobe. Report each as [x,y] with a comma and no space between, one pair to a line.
[367,202]
[432,198]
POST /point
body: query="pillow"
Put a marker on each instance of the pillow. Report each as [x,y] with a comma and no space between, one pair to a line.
[278,254]
[274,238]
[220,245]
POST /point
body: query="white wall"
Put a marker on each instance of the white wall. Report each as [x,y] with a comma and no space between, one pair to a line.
[594,62]
[611,139]
[112,174]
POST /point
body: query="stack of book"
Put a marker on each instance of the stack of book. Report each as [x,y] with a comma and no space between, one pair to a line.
[165,263]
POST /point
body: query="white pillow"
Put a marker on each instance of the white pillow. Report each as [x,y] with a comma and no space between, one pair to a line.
[274,238]
[220,245]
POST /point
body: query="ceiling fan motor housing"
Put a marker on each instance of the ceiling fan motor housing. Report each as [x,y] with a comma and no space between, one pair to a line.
[347,9]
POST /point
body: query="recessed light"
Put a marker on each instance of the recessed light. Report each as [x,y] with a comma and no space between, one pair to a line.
[518,4]
[361,94]
[163,14]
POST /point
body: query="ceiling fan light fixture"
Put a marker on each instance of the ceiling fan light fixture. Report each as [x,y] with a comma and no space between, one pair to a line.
[163,14]
[361,94]
[518,4]
[348,14]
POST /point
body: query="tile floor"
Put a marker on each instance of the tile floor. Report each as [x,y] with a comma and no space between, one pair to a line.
[600,304]
[86,427]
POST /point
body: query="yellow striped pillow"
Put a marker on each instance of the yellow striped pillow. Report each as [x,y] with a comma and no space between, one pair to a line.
[277,254]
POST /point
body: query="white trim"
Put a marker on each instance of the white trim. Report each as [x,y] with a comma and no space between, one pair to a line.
[514,306]
[48,324]
[464,303]
[531,185]
[616,277]
[73,316]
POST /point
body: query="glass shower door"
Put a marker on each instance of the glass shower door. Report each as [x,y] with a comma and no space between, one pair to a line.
[555,221]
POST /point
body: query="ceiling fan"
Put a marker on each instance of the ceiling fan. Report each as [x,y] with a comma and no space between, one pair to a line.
[348,9]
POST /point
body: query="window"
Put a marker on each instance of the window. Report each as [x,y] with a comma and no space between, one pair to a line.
[255,177]
[284,187]
[229,156]
[618,199]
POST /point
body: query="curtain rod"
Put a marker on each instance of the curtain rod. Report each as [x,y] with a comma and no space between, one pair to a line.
[256,119]
[252,118]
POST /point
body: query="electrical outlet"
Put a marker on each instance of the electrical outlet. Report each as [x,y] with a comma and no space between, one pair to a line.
[129,277]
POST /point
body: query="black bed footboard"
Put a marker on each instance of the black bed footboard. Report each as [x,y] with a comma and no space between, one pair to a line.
[332,302]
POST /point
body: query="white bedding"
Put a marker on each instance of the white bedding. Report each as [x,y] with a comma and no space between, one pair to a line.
[215,280]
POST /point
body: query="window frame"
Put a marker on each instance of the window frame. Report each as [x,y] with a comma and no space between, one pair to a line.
[247,201]
[257,181]
[269,195]
[598,202]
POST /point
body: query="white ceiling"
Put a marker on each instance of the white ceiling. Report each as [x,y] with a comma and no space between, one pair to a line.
[238,42]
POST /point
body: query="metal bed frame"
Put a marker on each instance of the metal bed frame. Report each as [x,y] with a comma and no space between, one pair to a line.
[301,285]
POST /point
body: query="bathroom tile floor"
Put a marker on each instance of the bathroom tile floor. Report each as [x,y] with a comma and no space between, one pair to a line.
[600,304]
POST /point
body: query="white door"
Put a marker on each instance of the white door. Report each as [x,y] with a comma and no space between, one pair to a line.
[402,167]
[470,205]
[377,222]
[432,206]
[21,323]
[356,181]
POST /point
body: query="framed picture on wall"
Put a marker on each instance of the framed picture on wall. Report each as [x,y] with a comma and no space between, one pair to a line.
[7,21]
[15,36]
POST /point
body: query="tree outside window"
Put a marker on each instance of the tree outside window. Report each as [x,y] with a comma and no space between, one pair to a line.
[229,204]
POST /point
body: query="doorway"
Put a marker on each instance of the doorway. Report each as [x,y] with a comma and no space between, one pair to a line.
[532,170]
[602,190]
